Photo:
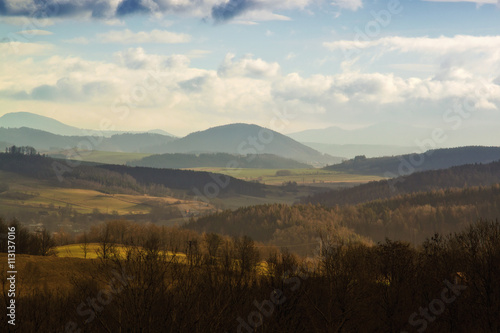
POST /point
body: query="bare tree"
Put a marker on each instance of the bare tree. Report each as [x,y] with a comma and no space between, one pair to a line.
[46,243]
[106,243]
[84,244]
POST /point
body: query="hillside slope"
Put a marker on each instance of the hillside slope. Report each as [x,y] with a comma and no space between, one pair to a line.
[244,139]
[116,178]
[431,160]
[178,161]
[455,177]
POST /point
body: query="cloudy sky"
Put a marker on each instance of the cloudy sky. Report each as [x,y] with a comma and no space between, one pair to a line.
[185,65]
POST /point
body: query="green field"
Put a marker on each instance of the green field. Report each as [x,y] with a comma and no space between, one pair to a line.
[301,176]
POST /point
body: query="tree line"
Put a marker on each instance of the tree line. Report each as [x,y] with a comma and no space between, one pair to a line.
[446,284]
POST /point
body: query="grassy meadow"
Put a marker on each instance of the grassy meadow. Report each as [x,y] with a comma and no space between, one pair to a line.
[105,157]
[301,176]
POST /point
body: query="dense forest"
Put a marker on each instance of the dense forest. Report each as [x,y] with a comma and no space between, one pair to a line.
[258,161]
[449,283]
[410,217]
[393,166]
[455,177]
[296,227]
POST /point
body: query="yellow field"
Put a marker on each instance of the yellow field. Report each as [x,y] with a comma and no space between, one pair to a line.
[76,251]
[46,196]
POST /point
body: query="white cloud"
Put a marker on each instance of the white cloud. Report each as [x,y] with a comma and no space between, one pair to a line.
[440,45]
[35,32]
[262,15]
[247,66]
[475,54]
[137,58]
[348,4]
[243,89]
[155,36]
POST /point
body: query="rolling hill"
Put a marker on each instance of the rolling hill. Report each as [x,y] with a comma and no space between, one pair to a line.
[455,177]
[236,139]
[121,179]
[244,139]
[402,165]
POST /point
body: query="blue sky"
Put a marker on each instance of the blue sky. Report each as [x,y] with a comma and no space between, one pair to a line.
[185,65]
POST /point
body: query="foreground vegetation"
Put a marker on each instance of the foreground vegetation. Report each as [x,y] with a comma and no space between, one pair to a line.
[446,284]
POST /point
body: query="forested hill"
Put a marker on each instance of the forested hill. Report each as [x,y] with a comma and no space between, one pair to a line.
[455,177]
[296,226]
[430,160]
[259,161]
[410,217]
[188,179]
[114,178]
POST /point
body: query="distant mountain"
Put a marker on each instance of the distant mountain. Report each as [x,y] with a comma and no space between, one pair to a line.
[350,151]
[47,124]
[399,134]
[180,161]
[406,164]
[387,133]
[31,120]
[244,139]
[45,141]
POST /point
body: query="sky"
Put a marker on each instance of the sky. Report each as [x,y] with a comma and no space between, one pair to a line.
[289,65]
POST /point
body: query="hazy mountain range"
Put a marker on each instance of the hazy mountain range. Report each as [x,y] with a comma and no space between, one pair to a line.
[317,147]
[392,138]
[31,120]
[236,139]
[403,165]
